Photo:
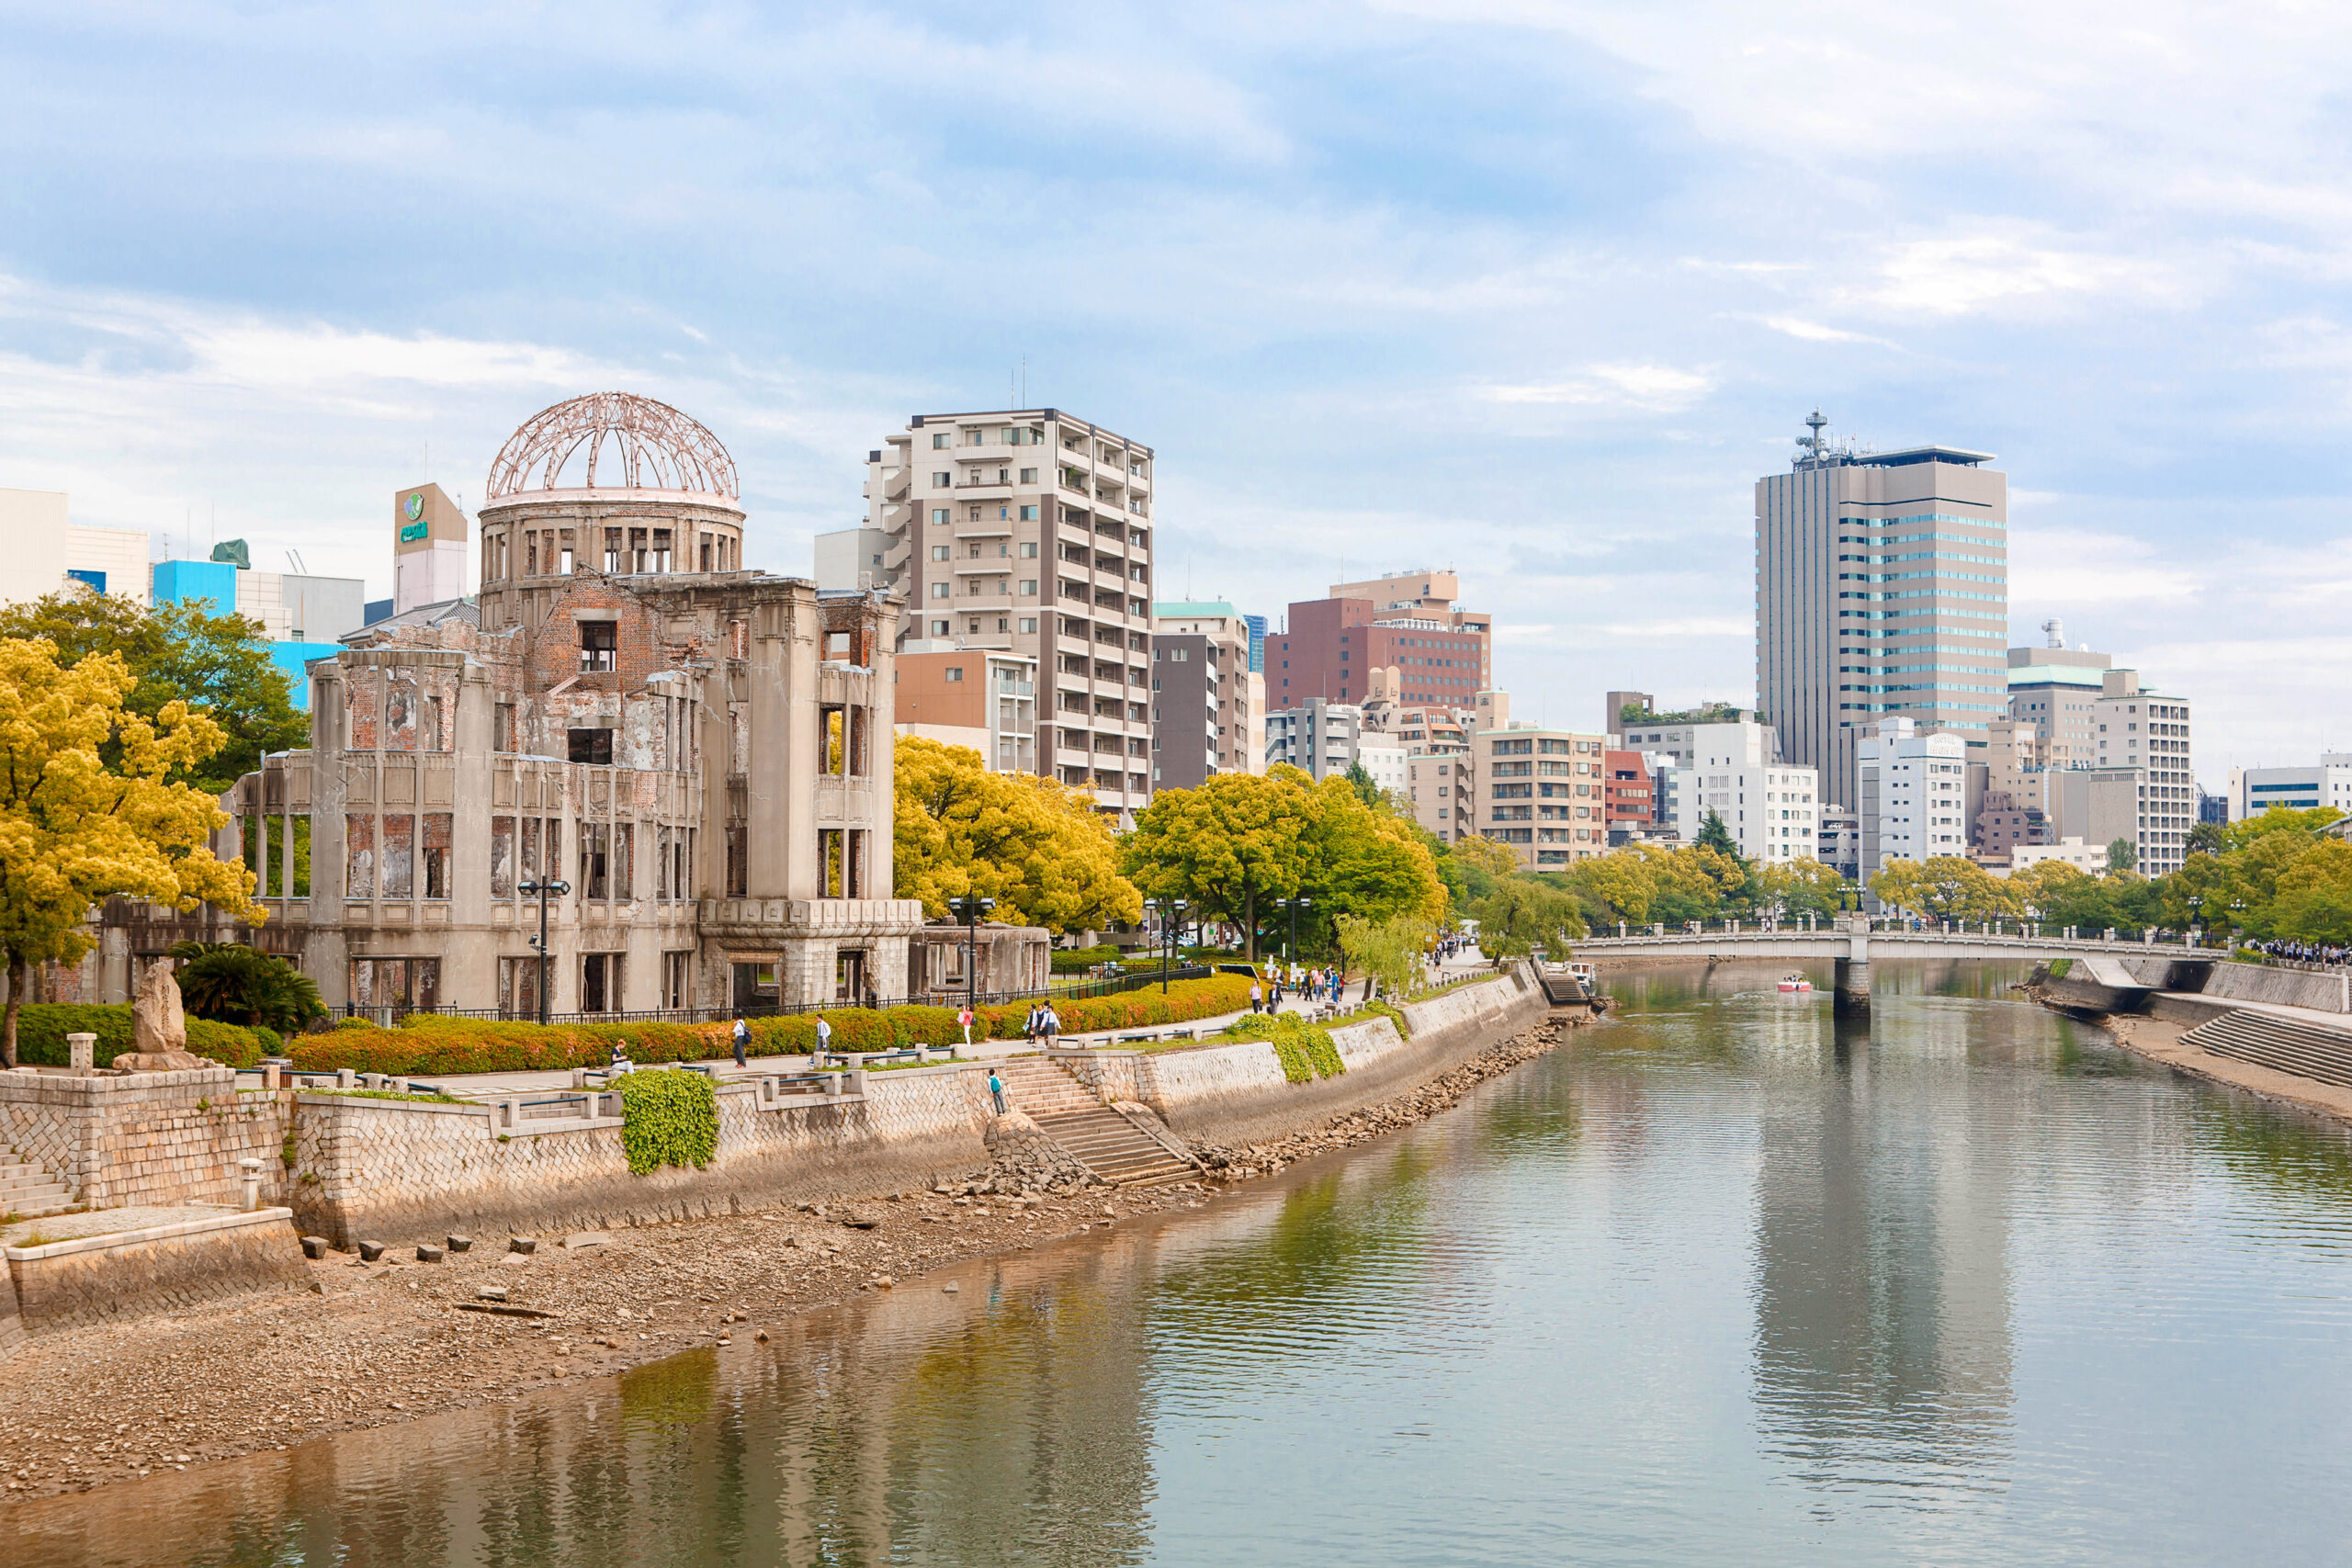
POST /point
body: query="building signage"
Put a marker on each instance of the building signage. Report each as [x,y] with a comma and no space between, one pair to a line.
[416,506]
[411,532]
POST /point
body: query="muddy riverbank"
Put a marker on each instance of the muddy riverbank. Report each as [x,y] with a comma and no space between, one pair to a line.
[374,1344]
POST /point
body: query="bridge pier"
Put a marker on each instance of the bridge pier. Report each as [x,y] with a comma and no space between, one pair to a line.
[1851,995]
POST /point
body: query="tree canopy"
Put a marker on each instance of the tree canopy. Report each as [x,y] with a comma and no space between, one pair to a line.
[1522,915]
[1239,842]
[1033,844]
[216,664]
[78,826]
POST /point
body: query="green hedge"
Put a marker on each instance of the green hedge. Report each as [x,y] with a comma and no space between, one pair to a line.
[41,1029]
[425,1045]
[1079,960]
[1307,1051]
[668,1119]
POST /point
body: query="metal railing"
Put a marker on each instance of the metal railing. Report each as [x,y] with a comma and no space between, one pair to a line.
[1083,991]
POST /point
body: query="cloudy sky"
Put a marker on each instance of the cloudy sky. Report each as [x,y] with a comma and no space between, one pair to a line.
[1534,291]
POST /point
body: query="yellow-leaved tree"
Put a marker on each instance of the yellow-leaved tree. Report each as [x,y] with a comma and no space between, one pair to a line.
[1035,845]
[75,830]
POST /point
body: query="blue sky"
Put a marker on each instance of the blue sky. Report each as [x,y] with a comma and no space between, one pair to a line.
[1535,290]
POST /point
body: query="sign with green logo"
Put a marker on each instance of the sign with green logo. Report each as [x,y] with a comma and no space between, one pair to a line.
[416,506]
[411,532]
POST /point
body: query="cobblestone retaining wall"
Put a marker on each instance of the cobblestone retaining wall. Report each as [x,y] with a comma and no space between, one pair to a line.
[129,1274]
[1235,1093]
[157,1138]
[393,1171]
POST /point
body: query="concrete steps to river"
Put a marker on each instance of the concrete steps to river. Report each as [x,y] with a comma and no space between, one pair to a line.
[2270,1041]
[1114,1149]
[28,1191]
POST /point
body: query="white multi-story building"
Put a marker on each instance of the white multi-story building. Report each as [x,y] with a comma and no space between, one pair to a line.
[1030,532]
[2145,730]
[2254,791]
[1318,738]
[1445,792]
[1731,767]
[1383,757]
[1914,802]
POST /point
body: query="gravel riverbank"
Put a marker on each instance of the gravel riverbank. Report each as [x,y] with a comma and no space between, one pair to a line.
[369,1345]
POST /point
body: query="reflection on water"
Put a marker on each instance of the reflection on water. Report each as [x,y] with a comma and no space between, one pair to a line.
[1725,1282]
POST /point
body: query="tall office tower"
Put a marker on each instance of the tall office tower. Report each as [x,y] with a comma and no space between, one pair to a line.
[1030,533]
[1409,624]
[1882,588]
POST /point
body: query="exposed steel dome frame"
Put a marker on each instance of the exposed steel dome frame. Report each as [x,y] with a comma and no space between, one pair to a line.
[660,449]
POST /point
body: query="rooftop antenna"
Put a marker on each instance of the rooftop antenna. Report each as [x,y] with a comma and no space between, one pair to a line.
[2053,631]
[295,558]
[1812,445]
[1024,380]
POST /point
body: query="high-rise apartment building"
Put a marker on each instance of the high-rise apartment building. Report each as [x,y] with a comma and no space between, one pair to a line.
[1542,792]
[1410,625]
[1030,533]
[2148,732]
[1882,587]
[1318,738]
[1201,667]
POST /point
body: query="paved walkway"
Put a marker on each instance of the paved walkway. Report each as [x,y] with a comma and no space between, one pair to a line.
[496,1085]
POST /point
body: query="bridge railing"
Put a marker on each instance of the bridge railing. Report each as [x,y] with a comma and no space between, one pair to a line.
[2021,934]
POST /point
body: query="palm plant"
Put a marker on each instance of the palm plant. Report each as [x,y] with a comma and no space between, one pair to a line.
[231,983]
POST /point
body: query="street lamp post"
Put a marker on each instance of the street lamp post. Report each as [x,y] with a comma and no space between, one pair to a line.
[1290,948]
[2237,920]
[2195,935]
[542,886]
[971,909]
[1170,911]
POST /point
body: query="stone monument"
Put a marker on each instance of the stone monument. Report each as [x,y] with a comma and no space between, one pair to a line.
[158,1027]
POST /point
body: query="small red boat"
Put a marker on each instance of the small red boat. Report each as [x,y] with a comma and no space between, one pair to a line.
[1795,983]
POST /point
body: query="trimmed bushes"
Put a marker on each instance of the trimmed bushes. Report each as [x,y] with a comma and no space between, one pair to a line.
[668,1119]
[426,1046]
[41,1029]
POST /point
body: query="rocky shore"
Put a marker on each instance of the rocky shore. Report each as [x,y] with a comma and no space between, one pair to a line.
[372,1344]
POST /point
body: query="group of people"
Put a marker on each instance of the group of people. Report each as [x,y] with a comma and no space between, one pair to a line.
[2304,951]
[1307,985]
[1044,1023]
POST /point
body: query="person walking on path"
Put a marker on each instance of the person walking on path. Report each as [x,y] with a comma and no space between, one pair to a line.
[1053,1025]
[964,1017]
[996,1090]
[742,1042]
[1257,998]
[824,1038]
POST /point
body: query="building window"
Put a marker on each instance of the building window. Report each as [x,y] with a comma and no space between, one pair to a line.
[591,746]
[939,628]
[436,851]
[1029,623]
[1029,513]
[938,552]
[599,645]
[939,590]
[1028,588]
[600,982]
[677,969]
[955,673]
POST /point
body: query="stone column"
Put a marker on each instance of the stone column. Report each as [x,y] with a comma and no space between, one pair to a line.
[81,1052]
[1852,996]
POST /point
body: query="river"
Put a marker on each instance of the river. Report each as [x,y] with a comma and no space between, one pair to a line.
[1718,1283]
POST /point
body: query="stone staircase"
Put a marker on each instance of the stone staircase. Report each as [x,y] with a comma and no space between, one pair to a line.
[26,1188]
[2268,1041]
[1105,1143]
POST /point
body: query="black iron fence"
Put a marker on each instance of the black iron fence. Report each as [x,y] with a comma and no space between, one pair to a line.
[1140,979]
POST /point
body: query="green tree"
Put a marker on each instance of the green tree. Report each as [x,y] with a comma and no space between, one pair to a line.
[1390,950]
[1713,835]
[219,664]
[2208,839]
[2122,855]
[1522,915]
[231,983]
[1231,847]
[76,828]
[1367,791]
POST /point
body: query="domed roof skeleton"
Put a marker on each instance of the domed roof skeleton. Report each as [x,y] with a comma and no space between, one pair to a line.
[655,442]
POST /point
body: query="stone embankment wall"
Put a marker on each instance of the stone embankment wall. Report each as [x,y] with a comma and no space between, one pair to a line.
[393,1170]
[1235,1093]
[150,1138]
[128,1274]
[2227,982]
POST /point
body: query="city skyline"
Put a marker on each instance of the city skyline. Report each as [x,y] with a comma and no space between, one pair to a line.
[1652,265]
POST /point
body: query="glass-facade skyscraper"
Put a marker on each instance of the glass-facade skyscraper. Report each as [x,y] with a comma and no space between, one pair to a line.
[1882,588]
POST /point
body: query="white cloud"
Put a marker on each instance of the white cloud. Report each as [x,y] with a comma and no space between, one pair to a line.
[1653,389]
[1976,272]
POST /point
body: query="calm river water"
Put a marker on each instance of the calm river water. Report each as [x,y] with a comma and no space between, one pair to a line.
[1717,1284]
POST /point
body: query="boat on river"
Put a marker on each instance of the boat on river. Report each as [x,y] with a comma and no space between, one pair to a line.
[1795,983]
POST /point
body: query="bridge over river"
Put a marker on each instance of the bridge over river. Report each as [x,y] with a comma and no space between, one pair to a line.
[1852,940]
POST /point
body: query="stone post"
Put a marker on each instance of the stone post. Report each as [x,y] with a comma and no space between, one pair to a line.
[1851,996]
[82,1051]
[252,1167]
